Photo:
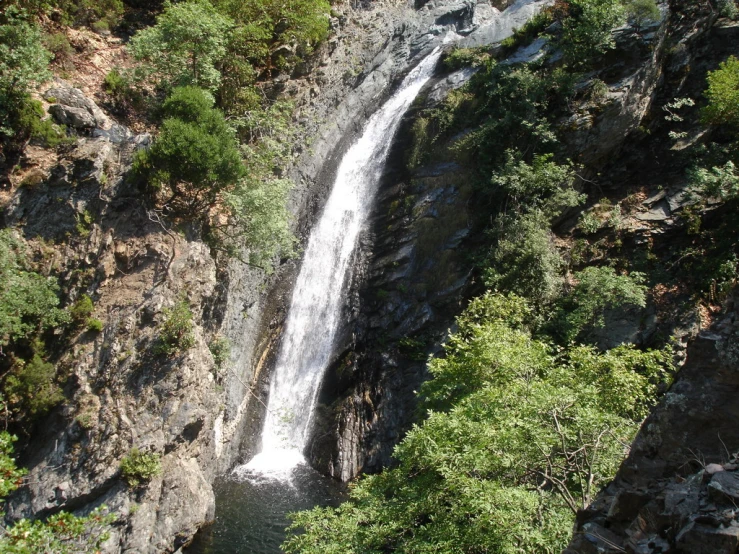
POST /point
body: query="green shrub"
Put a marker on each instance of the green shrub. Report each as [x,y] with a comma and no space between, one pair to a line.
[728,8]
[139,467]
[543,185]
[717,182]
[466,57]
[28,300]
[31,388]
[10,476]
[220,349]
[175,332]
[58,45]
[642,12]
[525,260]
[82,309]
[587,31]
[94,325]
[598,289]
[194,158]
[23,64]
[723,94]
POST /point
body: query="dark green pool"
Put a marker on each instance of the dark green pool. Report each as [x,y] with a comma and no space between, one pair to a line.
[251,518]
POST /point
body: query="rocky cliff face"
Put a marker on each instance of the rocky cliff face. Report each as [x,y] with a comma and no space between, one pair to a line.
[676,491]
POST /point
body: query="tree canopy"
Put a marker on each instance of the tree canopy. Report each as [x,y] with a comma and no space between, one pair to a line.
[519,437]
[186,44]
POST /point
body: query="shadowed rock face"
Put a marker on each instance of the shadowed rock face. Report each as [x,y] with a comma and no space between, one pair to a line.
[656,503]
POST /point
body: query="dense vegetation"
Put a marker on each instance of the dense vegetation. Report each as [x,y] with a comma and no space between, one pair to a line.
[518,437]
[524,418]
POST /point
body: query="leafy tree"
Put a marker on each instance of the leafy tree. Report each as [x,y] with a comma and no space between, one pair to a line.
[521,441]
[23,64]
[723,94]
[587,31]
[257,204]
[265,25]
[10,476]
[186,45]
[195,156]
[31,387]
[598,289]
[718,182]
[543,184]
[728,8]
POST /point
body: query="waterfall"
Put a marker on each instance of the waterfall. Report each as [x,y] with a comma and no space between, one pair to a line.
[313,316]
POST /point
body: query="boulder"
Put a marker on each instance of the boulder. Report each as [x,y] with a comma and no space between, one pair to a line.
[77,118]
[695,538]
[724,486]
[68,97]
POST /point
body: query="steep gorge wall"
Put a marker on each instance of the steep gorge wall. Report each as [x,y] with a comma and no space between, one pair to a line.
[199,419]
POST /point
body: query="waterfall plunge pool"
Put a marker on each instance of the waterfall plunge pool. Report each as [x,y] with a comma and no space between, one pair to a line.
[251,517]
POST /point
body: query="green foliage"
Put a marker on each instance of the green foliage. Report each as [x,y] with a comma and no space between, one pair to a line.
[185,46]
[598,289]
[525,259]
[220,349]
[718,182]
[195,156]
[120,89]
[723,94]
[175,332]
[530,30]
[58,45]
[257,203]
[642,12]
[28,300]
[62,533]
[140,467]
[10,476]
[23,64]
[522,440]
[263,26]
[587,32]
[94,325]
[544,184]
[515,105]
[31,388]
[82,309]
[728,8]
[458,58]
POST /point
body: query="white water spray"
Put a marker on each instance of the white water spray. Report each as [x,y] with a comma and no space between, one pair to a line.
[313,317]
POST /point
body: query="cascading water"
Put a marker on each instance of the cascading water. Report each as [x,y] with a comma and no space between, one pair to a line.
[313,317]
